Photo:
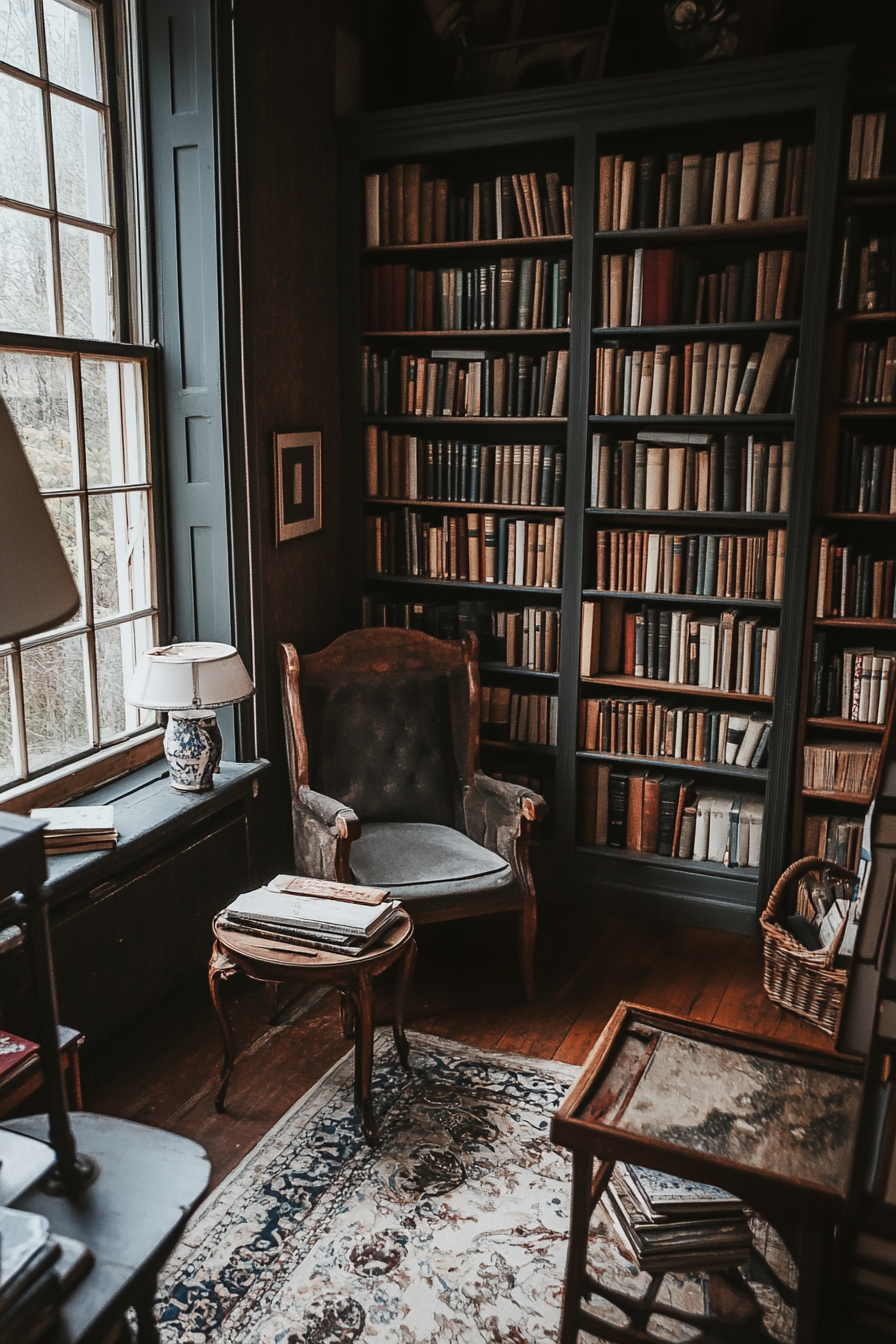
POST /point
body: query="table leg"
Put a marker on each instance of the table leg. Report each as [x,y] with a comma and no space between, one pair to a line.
[222,968]
[815,1239]
[144,1309]
[75,1098]
[364,1054]
[347,1014]
[577,1252]
[402,990]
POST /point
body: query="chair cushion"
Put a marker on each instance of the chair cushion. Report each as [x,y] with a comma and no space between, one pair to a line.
[416,860]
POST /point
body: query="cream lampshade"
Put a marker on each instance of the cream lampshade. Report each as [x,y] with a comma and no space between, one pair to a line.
[189,682]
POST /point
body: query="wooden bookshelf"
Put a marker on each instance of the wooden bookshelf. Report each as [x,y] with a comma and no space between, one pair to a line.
[686,598]
[381,502]
[460,333]
[744,772]
[567,130]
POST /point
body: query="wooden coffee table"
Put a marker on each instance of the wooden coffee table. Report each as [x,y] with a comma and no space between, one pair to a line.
[279,963]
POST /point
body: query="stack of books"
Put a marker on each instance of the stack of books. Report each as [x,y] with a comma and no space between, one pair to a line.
[668,1223]
[315,916]
[71,830]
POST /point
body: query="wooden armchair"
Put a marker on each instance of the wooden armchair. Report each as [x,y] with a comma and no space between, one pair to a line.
[382,732]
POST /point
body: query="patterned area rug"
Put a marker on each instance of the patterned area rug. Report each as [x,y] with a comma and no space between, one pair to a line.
[454,1229]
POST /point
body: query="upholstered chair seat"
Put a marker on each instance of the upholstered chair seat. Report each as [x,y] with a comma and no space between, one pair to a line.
[382,731]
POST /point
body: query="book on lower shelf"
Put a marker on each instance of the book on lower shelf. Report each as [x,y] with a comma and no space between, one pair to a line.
[674,471]
[835,837]
[840,765]
[629,726]
[462,383]
[872,147]
[649,812]
[854,684]
[866,475]
[466,547]
[704,564]
[510,294]
[74,830]
[707,1229]
[408,466]
[508,716]
[854,582]
[869,373]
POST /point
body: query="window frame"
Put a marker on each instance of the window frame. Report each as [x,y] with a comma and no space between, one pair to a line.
[120,67]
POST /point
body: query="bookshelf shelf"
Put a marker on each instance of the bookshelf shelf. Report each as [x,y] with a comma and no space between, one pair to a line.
[502,669]
[467,507]
[860,799]
[702,421]
[686,865]
[702,330]
[868,317]
[460,333]
[474,421]
[758,776]
[874,186]
[744,231]
[694,516]
[861,517]
[462,583]
[550,240]
[866,412]
[856,622]
[648,684]
[531,748]
[686,598]
[846,725]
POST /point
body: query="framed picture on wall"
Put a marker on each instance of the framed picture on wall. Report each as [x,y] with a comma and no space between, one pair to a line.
[297,470]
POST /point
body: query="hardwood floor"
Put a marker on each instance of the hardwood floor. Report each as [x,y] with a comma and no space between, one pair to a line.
[467,987]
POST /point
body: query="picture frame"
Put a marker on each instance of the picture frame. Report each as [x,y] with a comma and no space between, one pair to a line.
[297,469]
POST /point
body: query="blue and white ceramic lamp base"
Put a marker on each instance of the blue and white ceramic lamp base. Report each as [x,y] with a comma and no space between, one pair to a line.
[193,747]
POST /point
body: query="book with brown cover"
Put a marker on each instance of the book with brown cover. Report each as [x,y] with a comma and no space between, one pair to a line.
[769,169]
[776,347]
[689,205]
[590,649]
[427,191]
[396,203]
[413,176]
[634,829]
[749,180]
[650,815]
[372,209]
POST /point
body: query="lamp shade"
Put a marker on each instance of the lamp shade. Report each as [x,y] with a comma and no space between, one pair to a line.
[189,676]
[37,590]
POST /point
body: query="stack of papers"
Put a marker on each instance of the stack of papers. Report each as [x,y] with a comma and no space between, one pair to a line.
[668,1223]
[70,830]
[315,921]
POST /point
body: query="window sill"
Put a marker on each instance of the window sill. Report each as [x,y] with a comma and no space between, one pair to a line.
[71,781]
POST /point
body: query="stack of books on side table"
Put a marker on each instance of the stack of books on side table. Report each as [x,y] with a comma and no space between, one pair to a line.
[318,916]
[669,1223]
[71,830]
[37,1271]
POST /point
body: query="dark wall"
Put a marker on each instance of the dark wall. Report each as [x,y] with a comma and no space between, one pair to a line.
[283,65]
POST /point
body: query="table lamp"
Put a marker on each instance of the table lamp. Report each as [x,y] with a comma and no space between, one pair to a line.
[189,682]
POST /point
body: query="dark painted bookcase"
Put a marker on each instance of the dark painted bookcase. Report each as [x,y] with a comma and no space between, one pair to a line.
[797,98]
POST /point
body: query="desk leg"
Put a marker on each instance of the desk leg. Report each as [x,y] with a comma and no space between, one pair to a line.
[221,968]
[402,990]
[815,1239]
[144,1309]
[580,1205]
[363,998]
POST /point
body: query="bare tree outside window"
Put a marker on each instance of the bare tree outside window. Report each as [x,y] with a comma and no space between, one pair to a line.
[81,411]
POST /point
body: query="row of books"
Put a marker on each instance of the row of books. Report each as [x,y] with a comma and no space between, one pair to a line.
[473,547]
[840,765]
[667,1223]
[729,187]
[507,716]
[530,638]
[702,378]
[691,472]
[636,727]
[866,476]
[872,149]
[833,837]
[731,652]
[659,287]
[867,283]
[706,564]
[515,293]
[652,813]
[869,373]
[463,383]
[404,205]
[404,466]
[443,620]
[315,915]
[851,684]
[853,583]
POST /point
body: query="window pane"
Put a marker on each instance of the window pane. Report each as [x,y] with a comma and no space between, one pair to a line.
[119,553]
[66,515]
[86,259]
[18,35]
[39,391]
[117,649]
[23,146]
[7,763]
[53,677]
[113,422]
[71,52]
[26,273]
[79,151]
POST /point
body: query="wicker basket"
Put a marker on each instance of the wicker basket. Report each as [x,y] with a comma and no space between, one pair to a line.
[804,982]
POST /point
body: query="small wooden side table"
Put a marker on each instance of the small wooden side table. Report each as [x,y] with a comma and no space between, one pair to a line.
[281,963]
[775,1124]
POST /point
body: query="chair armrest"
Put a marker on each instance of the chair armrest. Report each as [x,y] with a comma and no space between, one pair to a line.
[323,831]
[499,815]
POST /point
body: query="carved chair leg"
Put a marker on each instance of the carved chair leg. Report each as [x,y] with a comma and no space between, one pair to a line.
[364,1055]
[221,968]
[528,922]
[347,1014]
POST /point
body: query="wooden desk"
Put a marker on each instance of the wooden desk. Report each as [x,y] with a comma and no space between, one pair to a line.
[774,1124]
[265,959]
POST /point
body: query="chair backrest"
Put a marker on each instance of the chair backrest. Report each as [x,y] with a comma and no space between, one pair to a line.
[385,721]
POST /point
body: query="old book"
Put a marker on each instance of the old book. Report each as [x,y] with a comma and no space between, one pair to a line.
[590,648]
[413,176]
[672,202]
[769,170]
[689,204]
[372,209]
[732,186]
[648,192]
[749,180]
[777,345]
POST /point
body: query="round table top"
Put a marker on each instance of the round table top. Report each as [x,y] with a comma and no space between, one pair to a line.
[285,959]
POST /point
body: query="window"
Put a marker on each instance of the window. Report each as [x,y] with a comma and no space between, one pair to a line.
[77,396]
